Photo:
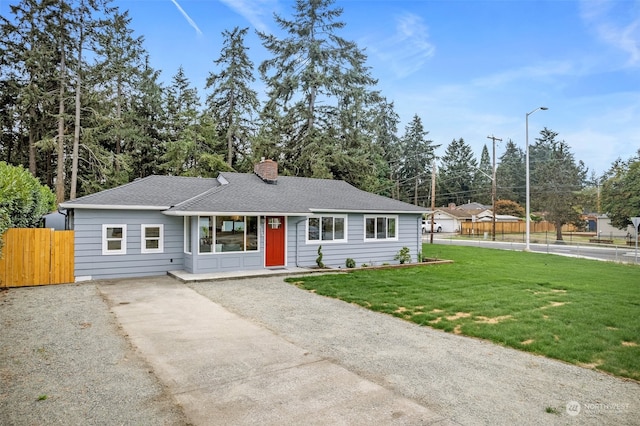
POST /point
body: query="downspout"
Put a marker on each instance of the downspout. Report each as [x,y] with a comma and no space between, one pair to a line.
[66,218]
[298,223]
[419,219]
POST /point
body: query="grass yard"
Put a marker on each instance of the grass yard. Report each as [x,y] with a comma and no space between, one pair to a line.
[581,311]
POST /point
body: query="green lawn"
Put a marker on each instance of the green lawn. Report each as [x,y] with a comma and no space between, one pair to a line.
[580,311]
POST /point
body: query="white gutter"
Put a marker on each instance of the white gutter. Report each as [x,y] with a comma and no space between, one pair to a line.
[111,207]
[232,213]
[319,210]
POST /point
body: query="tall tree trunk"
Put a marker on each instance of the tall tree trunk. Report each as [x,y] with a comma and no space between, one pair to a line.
[32,143]
[230,134]
[118,124]
[60,168]
[559,231]
[76,132]
[312,104]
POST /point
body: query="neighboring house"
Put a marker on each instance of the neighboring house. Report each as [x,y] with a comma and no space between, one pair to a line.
[238,221]
[451,218]
[606,230]
[471,206]
[487,216]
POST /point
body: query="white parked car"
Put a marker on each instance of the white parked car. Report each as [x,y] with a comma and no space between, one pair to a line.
[426,227]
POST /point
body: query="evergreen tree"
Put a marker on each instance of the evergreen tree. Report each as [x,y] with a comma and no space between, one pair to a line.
[181,122]
[384,136]
[417,160]
[233,103]
[85,26]
[192,137]
[28,49]
[121,59]
[457,170]
[556,179]
[482,182]
[316,81]
[511,174]
[147,141]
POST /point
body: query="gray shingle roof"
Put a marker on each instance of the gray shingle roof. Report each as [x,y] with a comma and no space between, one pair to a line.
[244,192]
[160,192]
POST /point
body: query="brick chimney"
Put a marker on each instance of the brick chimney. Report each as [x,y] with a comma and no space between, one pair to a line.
[267,170]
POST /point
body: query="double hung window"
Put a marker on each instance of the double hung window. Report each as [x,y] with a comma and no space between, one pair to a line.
[152,238]
[114,239]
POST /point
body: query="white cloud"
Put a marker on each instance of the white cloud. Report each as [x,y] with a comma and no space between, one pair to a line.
[544,71]
[254,11]
[615,23]
[407,50]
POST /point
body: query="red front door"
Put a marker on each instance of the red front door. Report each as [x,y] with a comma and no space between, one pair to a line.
[274,241]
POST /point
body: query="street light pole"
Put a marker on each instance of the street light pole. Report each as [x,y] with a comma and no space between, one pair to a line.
[528,186]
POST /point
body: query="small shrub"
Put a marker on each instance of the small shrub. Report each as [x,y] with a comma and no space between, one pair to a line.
[319,258]
[403,255]
[350,263]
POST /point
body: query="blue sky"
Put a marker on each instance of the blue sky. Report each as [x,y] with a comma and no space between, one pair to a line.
[468,69]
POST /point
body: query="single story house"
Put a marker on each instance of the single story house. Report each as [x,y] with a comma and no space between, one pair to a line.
[237,221]
[451,218]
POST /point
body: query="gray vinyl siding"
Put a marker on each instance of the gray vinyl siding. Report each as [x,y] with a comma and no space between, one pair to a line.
[304,254]
[91,263]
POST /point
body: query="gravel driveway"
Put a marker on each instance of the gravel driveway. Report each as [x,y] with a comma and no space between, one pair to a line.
[466,380]
[64,360]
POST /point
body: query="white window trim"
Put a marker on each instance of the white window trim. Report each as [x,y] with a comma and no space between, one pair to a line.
[105,246]
[321,241]
[214,236]
[143,239]
[387,217]
[245,230]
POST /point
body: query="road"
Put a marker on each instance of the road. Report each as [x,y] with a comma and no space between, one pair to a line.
[615,254]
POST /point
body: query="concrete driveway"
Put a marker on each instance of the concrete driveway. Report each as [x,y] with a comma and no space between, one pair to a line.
[224,369]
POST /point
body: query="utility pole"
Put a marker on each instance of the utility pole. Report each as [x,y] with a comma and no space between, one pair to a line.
[433,199]
[493,185]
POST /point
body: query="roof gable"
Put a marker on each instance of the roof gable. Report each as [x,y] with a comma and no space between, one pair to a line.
[161,192]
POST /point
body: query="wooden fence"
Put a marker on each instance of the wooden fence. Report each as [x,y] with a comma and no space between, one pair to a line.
[475,228]
[36,256]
